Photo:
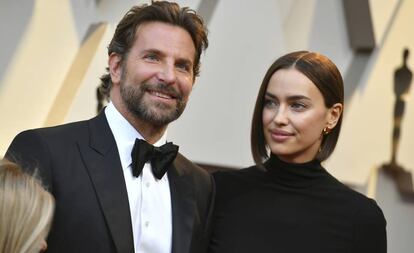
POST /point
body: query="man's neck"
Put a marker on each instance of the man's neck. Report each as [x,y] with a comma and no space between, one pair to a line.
[150,132]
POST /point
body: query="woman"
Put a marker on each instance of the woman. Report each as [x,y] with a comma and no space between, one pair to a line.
[26,211]
[288,202]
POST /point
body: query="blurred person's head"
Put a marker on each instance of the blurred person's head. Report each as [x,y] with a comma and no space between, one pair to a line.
[26,211]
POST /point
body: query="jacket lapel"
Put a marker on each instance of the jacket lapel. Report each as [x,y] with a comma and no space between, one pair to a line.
[103,164]
[183,207]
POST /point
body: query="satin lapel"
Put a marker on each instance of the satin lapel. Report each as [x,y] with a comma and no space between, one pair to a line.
[101,157]
[183,208]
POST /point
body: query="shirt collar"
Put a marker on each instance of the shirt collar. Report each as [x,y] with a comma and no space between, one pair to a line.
[125,134]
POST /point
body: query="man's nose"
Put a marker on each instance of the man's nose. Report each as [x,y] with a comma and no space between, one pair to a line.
[167,74]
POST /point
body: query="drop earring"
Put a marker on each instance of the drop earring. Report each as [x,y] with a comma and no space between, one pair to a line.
[326,131]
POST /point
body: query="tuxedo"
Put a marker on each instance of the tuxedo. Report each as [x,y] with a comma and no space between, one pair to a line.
[79,164]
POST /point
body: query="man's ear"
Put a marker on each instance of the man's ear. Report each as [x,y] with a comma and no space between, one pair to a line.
[333,115]
[115,67]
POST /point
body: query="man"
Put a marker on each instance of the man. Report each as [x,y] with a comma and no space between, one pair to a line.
[108,197]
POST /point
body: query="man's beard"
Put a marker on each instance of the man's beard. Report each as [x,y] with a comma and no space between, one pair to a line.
[156,113]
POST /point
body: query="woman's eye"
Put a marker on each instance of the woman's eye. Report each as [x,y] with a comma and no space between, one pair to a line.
[268,103]
[298,106]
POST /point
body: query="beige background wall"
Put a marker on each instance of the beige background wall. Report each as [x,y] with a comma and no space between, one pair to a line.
[43,57]
[367,129]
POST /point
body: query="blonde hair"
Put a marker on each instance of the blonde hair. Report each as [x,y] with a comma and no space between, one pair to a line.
[26,210]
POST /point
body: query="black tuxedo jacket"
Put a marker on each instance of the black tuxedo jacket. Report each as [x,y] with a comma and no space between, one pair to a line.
[80,165]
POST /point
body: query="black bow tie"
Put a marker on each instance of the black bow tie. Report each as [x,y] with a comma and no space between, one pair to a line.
[160,157]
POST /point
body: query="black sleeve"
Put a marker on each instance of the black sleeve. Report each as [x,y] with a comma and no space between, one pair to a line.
[370,230]
[31,152]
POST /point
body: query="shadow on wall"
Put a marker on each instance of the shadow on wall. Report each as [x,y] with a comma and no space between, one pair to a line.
[206,9]
[84,12]
[402,82]
[355,72]
[20,15]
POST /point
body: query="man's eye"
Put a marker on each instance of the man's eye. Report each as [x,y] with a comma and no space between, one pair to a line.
[151,57]
[183,66]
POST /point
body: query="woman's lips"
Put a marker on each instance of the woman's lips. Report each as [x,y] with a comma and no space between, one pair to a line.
[280,135]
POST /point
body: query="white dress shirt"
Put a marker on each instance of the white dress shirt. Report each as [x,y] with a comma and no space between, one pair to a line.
[149,198]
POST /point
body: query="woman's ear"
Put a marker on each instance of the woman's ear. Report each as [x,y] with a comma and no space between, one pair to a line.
[334,114]
[115,68]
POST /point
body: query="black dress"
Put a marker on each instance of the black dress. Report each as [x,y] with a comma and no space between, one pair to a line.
[293,208]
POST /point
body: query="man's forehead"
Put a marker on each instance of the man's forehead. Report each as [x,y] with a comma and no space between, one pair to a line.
[165,37]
